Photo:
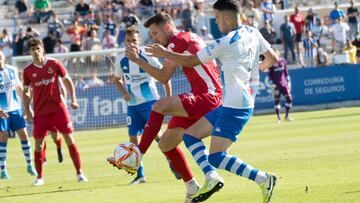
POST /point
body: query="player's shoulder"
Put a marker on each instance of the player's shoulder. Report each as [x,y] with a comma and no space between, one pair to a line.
[178,40]
[29,66]
[11,67]
[52,60]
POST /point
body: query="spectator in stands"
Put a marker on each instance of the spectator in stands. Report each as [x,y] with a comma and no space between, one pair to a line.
[252,14]
[5,44]
[146,8]
[299,22]
[205,35]
[356,43]
[200,18]
[94,81]
[49,42]
[80,82]
[130,18]
[22,8]
[287,34]
[109,41]
[351,50]
[75,32]
[59,47]
[339,31]
[56,26]
[30,33]
[311,19]
[92,40]
[188,17]
[82,8]
[42,11]
[336,13]
[19,43]
[309,50]
[268,9]
[322,58]
[108,24]
[94,5]
[318,30]
[90,21]
[353,20]
[268,32]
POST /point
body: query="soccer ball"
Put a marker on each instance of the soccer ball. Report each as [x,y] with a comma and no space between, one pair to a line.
[127,156]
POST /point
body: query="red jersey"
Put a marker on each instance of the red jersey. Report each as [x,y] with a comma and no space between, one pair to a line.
[298,21]
[45,85]
[204,78]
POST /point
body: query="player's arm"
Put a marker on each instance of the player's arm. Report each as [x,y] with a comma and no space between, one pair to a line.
[163,75]
[70,87]
[184,60]
[120,85]
[26,97]
[270,59]
[167,89]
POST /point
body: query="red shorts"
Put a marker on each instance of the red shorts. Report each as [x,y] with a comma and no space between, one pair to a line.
[196,106]
[56,121]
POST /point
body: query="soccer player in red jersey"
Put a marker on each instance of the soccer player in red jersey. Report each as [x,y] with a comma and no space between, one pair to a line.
[50,112]
[185,109]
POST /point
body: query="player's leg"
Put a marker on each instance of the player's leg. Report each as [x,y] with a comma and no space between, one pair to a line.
[286,92]
[55,135]
[39,158]
[168,144]
[277,105]
[193,141]
[226,129]
[26,148]
[17,124]
[62,121]
[3,149]
[167,106]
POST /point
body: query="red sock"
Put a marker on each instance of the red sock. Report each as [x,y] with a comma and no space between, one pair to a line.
[75,156]
[58,143]
[151,129]
[179,163]
[44,151]
[39,160]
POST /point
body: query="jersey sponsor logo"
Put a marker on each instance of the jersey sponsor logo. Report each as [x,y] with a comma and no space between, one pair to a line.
[34,75]
[171,46]
[7,85]
[45,82]
[50,70]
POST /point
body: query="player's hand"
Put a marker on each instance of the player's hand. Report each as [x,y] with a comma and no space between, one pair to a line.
[3,114]
[132,53]
[74,105]
[126,96]
[156,50]
[29,116]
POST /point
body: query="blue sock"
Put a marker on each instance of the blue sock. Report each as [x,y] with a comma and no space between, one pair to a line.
[198,150]
[3,155]
[222,160]
[140,171]
[26,147]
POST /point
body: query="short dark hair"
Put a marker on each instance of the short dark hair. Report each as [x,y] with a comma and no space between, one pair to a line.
[227,5]
[158,19]
[34,42]
[131,30]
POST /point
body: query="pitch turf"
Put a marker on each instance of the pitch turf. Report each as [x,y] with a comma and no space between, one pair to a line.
[317,159]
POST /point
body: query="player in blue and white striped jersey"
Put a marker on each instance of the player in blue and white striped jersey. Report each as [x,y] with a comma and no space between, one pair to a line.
[11,116]
[140,92]
[238,52]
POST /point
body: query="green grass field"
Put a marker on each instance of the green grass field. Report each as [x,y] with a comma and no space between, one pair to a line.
[320,151]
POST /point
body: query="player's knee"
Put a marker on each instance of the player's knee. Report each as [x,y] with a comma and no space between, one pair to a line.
[216,158]
[69,139]
[163,146]
[288,99]
[3,137]
[159,106]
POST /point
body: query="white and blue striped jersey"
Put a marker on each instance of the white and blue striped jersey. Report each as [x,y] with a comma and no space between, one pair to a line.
[309,50]
[238,53]
[140,85]
[9,80]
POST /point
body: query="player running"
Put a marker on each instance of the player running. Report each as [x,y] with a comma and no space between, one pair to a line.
[238,53]
[50,110]
[11,116]
[186,108]
[140,92]
[280,78]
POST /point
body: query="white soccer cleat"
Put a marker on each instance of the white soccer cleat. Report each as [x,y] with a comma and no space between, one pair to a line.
[194,189]
[209,188]
[267,188]
[138,180]
[81,178]
[38,182]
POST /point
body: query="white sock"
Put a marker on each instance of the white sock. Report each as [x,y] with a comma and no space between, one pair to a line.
[191,186]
